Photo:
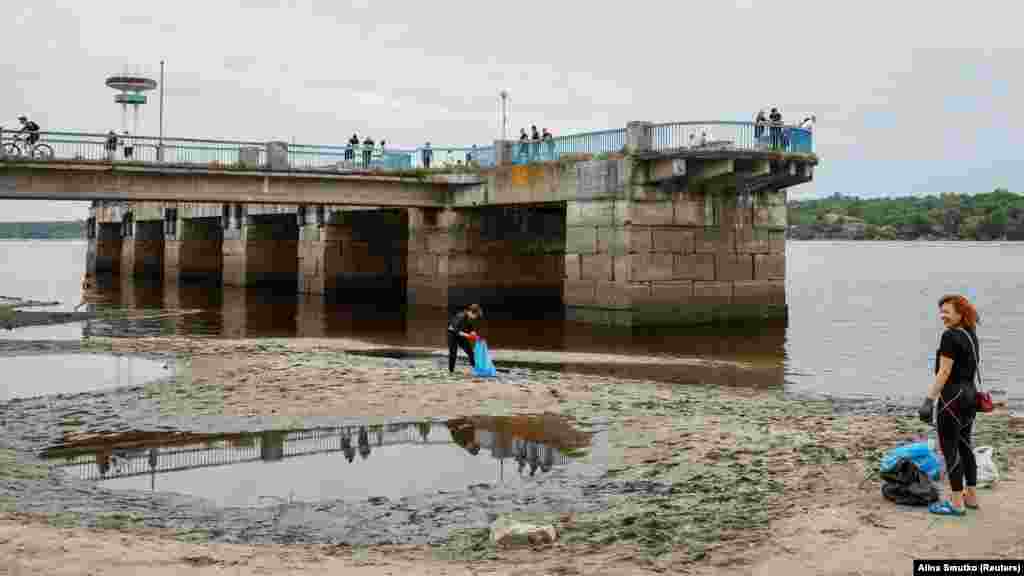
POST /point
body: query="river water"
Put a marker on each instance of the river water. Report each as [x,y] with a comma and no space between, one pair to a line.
[863,319]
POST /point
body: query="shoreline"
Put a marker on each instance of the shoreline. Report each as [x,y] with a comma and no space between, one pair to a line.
[694,474]
[906,241]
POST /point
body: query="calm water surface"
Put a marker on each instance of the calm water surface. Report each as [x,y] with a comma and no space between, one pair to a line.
[863,316]
[42,375]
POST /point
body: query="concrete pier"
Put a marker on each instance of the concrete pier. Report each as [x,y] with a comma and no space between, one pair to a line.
[193,237]
[263,251]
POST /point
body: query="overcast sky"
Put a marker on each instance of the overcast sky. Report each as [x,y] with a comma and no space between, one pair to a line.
[911,97]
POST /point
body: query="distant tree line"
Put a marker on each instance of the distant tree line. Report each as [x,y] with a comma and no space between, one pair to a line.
[42,230]
[998,215]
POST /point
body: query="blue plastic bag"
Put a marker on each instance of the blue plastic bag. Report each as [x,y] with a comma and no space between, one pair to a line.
[918,453]
[482,365]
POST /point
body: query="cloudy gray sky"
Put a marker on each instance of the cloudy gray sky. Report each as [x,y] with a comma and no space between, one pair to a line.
[911,97]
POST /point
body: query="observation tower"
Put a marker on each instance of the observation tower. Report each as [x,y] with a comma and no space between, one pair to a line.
[132,87]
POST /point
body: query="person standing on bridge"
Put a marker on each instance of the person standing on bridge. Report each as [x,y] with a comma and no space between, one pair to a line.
[350,151]
[549,143]
[759,123]
[128,148]
[776,129]
[111,146]
[462,332]
[427,155]
[367,151]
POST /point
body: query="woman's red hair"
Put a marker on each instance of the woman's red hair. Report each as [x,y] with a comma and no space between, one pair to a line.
[968,313]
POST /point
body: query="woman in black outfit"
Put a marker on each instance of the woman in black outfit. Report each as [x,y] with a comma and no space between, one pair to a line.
[460,327]
[951,403]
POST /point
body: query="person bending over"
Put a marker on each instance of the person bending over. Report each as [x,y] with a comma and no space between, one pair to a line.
[461,331]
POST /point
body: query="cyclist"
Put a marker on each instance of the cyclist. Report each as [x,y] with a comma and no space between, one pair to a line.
[32,128]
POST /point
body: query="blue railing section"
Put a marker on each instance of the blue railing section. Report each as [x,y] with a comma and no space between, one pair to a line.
[120,148]
[549,150]
[749,136]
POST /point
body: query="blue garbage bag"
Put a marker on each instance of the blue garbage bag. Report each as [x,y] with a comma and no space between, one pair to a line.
[482,365]
[918,453]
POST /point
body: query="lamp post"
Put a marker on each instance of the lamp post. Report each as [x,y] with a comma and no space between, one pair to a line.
[504,114]
[160,146]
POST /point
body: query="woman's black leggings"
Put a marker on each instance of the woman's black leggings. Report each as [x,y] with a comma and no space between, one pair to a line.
[454,343]
[955,424]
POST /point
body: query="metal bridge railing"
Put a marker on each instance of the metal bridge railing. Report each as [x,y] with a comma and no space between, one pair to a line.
[549,150]
[120,148]
[716,135]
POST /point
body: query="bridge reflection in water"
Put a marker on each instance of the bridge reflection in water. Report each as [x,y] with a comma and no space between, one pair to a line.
[534,443]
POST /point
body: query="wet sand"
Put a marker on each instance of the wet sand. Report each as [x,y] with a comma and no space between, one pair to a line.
[699,477]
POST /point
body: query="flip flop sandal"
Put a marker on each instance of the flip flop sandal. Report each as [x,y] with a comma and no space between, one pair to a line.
[945,509]
[971,506]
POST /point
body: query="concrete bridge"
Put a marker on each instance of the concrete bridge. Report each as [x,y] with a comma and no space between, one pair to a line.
[654,223]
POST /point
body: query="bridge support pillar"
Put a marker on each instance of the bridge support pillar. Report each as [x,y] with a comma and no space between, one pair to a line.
[263,251]
[320,250]
[192,243]
[428,246]
[142,249]
[357,255]
[105,250]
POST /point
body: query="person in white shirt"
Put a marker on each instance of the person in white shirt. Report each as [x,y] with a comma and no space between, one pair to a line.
[808,123]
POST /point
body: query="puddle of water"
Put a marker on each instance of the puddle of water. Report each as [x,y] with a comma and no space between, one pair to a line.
[45,374]
[348,463]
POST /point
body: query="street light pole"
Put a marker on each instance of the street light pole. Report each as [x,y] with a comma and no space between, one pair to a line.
[160,147]
[504,115]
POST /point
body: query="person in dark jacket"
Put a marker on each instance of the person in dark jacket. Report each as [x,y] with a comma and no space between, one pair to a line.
[111,145]
[350,150]
[428,155]
[461,330]
[367,152]
[776,128]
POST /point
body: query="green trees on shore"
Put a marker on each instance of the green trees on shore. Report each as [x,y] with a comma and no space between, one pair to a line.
[42,230]
[998,215]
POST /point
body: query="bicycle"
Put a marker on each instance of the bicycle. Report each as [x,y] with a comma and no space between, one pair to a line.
[37,151]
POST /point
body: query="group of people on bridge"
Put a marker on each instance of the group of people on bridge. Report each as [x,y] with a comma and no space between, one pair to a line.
[529,145]
[779,138]
[368,149]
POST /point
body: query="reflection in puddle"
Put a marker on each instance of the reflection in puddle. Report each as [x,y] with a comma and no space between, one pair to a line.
[30,376]
[353,463]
